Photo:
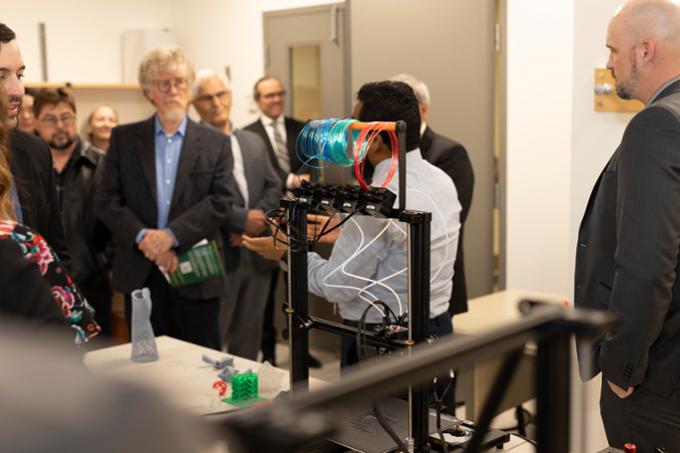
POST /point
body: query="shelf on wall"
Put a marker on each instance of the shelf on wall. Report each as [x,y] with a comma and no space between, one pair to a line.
[84,86]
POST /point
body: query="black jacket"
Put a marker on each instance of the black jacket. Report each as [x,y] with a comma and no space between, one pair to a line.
[126,198]
[452,157]
[31,165]
[86,236]
[627,253]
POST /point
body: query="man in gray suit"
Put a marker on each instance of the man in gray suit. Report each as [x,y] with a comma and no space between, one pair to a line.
[249,275]
[629,239]
[166,185]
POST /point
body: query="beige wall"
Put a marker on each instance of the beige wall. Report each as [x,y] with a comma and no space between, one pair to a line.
[448,45]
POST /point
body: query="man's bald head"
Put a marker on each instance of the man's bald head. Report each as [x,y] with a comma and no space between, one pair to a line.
[644,42]
[651,19]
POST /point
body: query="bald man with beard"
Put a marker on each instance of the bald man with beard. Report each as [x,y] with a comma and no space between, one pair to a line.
[629,239]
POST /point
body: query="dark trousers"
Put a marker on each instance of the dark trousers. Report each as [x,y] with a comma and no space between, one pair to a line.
[192,320]
[439,327]
[268,328]
[644,418]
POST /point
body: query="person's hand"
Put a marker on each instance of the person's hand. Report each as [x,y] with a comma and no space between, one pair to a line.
[621,393]
[316,223]
[256,222]
[235,239]
[161,241]
[265,247]
[297,180]
[167,261]
[147,248]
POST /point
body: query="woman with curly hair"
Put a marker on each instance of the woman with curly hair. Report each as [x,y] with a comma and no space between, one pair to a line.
[16,238]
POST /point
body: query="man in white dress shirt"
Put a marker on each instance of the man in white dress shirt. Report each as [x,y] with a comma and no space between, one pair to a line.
[385,242]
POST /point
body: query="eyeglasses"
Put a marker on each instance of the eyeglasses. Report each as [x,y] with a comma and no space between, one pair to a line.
[66,119]
[165,85]
[210,97]
[281,93]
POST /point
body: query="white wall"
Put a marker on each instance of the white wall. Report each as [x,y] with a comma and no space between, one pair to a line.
[539,138]
[557,145]
[219,33]
[83,38]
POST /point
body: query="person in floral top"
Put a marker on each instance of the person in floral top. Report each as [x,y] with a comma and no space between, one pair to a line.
[35,249]
[70,301]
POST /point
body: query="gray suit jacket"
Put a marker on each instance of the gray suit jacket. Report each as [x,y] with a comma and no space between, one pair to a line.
[627,253]
[264,192]
[126,198]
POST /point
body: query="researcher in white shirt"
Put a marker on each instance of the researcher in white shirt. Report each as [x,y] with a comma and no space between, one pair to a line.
[369,260]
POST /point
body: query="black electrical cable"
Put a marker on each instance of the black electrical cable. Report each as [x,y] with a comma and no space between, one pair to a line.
[532,442]
[386,426]
[438,409]
[361,346]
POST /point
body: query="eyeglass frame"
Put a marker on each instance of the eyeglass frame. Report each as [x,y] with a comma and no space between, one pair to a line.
[209,97]
[51,120]
[273,95]
[180,83]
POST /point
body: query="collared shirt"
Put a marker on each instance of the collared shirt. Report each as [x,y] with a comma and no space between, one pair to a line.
[340,278]
[239,169]
[168,150]
[280,126]
[661,88]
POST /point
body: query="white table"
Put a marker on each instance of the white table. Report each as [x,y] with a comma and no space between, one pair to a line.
[179,374]
[486,313]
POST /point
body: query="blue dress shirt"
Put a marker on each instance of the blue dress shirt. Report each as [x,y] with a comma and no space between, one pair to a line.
[168,151]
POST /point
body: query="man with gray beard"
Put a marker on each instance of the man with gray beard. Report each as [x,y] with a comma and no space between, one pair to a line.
[166,185]
[75,168]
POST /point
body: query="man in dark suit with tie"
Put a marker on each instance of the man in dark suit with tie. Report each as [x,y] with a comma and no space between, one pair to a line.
[248,274]
[278,131]
[452,157]
[166,185]
[629,238]
[34,193]
[279,134]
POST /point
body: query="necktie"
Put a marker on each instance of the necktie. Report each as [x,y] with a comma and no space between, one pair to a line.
[280,149]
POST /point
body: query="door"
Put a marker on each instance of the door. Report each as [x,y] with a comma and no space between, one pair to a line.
[450,46]
[307,49]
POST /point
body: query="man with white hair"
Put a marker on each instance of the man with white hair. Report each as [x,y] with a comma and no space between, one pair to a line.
[629,239]
[248,274]
[452,157]
[165,186]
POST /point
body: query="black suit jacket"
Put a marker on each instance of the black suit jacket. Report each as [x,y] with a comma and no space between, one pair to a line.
[293,128]
[126,198]
[452,157]
[627,253]
[264,192]
[31,165]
